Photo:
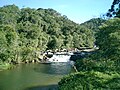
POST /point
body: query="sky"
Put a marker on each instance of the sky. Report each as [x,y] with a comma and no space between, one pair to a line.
[78,11]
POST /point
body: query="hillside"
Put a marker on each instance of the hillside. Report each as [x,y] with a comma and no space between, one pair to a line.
[93,24]
[24,31]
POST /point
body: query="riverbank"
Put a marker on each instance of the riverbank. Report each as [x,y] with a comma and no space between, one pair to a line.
[5,66]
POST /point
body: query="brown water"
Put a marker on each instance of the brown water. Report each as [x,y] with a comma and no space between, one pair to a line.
[33,76]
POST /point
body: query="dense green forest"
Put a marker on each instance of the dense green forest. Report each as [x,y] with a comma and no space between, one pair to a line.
[93,24]
[25,31]
[101,70]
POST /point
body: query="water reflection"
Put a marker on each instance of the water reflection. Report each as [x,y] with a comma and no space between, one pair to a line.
[55,68]
[33,76]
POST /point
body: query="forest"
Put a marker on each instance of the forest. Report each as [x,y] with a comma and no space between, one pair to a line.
[25,31]
[101,70]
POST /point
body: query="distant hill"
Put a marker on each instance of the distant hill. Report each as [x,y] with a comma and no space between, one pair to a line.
[24,31]
[93,23]
[57,30]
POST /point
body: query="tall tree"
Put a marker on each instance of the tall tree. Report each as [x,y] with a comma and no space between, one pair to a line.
[108,38]
[115,9]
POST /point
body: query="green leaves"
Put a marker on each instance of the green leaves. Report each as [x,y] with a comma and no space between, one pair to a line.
[115,9]
[90,81]
[39,29]
[8,38]
[99,71]
[108,38]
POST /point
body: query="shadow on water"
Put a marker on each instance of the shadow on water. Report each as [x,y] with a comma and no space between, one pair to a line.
[48,87]
[55,69]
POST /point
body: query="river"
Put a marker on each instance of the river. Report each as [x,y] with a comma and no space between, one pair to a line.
[34,76]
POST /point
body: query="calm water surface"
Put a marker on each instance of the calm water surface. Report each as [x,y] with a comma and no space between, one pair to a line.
[33,76]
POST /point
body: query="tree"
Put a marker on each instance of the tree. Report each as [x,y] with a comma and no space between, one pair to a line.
[27,30]
[115,9]
[8,43]
[9,14]
[90,81]
[100,70]
[108,38]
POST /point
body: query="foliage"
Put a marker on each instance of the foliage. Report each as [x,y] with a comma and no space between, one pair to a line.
[115,9]
[107,57]
[108,38]
[90,81]
[99,71]
[25,31]
[93,24]
[4,66]
[8,40]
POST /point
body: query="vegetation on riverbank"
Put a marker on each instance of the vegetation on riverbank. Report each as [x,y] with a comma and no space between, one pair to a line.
[90,80]
[4,66]
[101,70]
[97,71]
[23,32]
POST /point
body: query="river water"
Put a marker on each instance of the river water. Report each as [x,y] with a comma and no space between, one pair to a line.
[34,76]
